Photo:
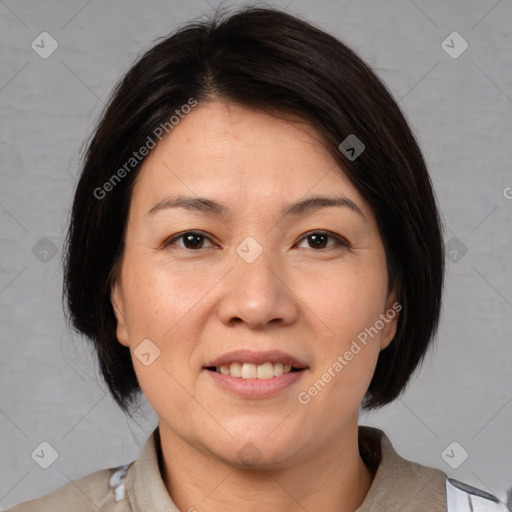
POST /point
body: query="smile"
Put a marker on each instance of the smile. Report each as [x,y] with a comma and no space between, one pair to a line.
[266,370]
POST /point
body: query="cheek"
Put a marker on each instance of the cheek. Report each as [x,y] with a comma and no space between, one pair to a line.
[160,308]
[348,300]
[341,378]
[158,298]
[168,307]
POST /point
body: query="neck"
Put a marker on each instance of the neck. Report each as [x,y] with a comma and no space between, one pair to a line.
[332,480]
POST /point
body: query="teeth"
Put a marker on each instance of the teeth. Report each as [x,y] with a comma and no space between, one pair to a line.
[254,371]
[235,369]
[278,369]
[249,371]
[265,371]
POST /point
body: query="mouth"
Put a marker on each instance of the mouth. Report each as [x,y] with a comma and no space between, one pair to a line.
[247,364]
[263,371]
[255,375]
[254,381]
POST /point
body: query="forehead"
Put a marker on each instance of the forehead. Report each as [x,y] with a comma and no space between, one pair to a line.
[235,153]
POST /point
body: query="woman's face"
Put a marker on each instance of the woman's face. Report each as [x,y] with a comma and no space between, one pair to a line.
[226,251]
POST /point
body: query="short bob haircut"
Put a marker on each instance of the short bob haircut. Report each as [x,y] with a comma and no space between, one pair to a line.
[266,59]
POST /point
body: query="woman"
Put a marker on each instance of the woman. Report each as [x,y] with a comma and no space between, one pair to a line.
[255,245]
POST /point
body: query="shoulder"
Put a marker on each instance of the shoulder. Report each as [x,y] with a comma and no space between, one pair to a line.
[401,484]
[398,483]
[96,491]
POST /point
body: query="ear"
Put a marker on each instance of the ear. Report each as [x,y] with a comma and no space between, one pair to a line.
[117,300]
[390,317]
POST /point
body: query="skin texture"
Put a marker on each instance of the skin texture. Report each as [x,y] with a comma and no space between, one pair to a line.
[196,304]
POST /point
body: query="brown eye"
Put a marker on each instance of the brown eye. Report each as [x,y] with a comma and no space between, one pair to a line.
[191,240]
[320,239]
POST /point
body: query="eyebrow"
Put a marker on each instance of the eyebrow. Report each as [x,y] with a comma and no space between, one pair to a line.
[209,206]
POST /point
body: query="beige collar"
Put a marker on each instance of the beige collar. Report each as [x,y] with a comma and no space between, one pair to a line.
[144,485]
[399,484]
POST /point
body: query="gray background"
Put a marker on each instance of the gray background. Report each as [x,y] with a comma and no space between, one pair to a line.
[460,109]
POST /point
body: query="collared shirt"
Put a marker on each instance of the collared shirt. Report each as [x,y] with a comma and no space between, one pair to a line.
[398,484]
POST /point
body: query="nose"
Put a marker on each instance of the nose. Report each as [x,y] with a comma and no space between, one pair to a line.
[257,293]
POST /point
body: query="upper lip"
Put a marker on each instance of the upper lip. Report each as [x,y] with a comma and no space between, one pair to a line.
[249,356]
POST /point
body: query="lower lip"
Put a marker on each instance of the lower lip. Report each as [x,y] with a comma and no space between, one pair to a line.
[255,388]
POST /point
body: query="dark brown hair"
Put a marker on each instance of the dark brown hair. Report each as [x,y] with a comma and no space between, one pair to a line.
[269,60]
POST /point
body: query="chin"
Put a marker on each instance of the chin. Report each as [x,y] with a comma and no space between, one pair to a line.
[258,447]
[250,457]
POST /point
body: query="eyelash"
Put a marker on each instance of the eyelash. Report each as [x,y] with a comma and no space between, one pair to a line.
[341,242]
